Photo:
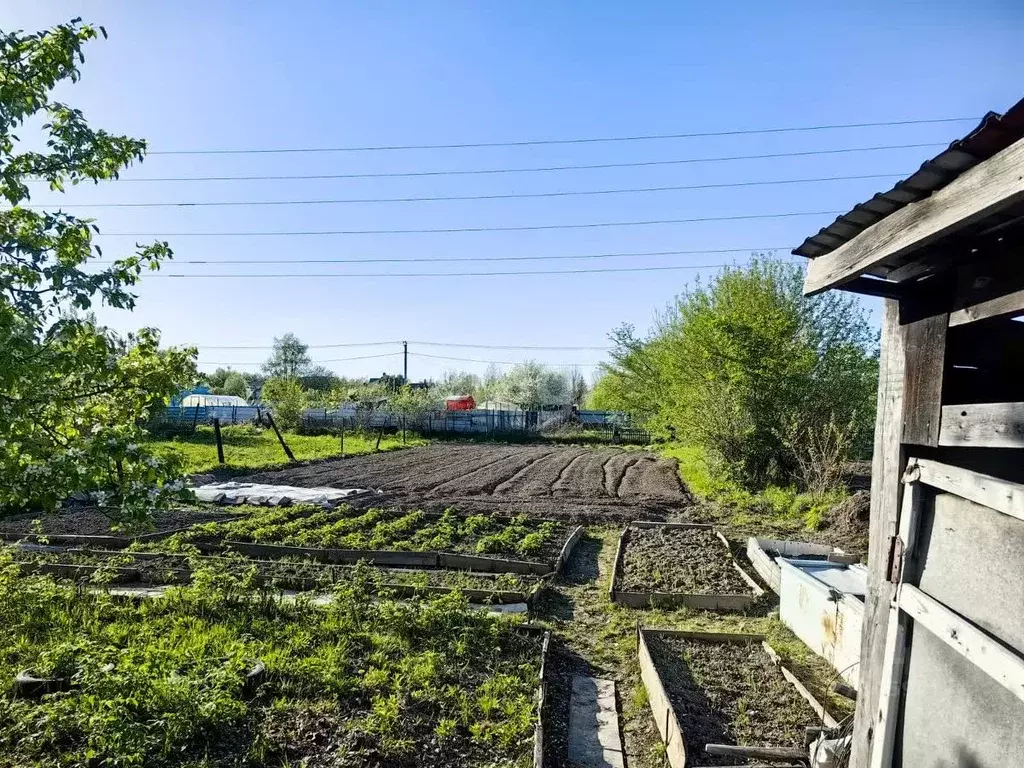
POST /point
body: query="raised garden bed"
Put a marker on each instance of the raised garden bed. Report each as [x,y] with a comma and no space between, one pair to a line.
[392,538]
[147,568]
[362,681]
[717,688]
[762,554]
[90,526]
[663,565]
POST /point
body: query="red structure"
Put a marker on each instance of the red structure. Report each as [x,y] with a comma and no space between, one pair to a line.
[460,403]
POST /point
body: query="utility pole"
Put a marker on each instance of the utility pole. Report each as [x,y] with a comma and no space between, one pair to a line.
[405,362]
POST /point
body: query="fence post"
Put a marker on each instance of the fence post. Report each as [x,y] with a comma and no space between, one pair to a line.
[379,436]
[403,429]
[343,437]
[195,418]
[287,450]
[220,443]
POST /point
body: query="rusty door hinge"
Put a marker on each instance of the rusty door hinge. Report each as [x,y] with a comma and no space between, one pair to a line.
[895,563]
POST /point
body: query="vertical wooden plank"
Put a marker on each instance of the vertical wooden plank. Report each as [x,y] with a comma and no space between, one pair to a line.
[896,636]
[925,344]
[886,473]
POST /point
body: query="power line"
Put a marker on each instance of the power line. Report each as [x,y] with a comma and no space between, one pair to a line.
[498,196]
[499,362]
[509,346]
[539,169]
[313,362]
[533,347]
[443,274]
[438,259]
[446,230]
[543,142]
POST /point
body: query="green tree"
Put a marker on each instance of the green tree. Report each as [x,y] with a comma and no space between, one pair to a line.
[287,400]
[234,384]
[752,370]
[72,394]
[532,385]
[290,357]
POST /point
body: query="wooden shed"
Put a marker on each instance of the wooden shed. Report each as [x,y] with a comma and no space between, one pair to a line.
[942,662]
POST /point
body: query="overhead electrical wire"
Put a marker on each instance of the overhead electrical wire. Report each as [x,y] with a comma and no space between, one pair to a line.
[556,142]
[497,196]
[280,275]
[314,362]
[538,169]
[540,348]
[446,230]
[439,259]
[497,362]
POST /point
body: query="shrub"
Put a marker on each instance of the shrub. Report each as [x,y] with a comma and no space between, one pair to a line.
[287,400]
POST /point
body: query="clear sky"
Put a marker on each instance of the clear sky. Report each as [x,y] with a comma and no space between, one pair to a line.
[266,75]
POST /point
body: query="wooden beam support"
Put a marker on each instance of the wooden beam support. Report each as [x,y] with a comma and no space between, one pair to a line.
[990,656]
[868,286]
[886,488]
[761,753]
[925,342]
[896,637]
[986,188]
[1009,304]
[1000,495]
[982,425]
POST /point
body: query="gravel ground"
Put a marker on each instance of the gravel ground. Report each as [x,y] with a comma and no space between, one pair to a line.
[729,693]
[89,521]
[684,560]
[542,481]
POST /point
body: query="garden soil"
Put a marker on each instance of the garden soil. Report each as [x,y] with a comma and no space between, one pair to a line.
[729,693]
[684,560]
[580,484]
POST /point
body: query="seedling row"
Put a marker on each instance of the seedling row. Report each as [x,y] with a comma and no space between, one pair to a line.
[145,568]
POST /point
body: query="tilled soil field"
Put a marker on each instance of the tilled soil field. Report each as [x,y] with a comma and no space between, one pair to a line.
[729,693]
[685,560]
[543,481]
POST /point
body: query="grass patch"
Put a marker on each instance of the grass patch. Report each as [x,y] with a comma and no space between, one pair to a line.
[248,448]
[363,680]
[782,510]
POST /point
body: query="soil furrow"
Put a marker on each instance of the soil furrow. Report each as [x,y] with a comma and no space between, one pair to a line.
[535,478]
[616,470]
[489,477]
[604,473]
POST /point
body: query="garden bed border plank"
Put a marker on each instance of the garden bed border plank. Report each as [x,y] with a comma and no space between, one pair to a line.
[665,717]
[300,583]
[699,601]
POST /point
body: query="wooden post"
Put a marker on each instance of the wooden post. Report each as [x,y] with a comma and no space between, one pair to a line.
[886,495]
[343,437]
[379,436]
[195,417]
[403,429]
[287,450]
[220,442]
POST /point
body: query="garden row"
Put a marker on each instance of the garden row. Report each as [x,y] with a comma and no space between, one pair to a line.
[220,673]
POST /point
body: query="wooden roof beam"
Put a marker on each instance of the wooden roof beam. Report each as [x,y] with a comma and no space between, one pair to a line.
[986,188]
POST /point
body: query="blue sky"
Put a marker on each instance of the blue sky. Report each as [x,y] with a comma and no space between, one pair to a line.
[190,75]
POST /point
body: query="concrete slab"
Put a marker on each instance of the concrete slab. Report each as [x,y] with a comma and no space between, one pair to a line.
[594,724]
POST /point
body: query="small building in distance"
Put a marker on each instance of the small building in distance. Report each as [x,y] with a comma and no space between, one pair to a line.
[459,403]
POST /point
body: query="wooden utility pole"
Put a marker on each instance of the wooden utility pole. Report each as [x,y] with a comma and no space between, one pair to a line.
[405,362]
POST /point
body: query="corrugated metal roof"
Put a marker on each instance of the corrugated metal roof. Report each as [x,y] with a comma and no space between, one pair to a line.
[992,135]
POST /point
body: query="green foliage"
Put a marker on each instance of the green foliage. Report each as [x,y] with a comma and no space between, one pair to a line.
[71,393]
[412,403]
[289,358]
[250,448]
[531,385]
[749,369]
[287,400]
[784,509]
[161,683]
[234,384]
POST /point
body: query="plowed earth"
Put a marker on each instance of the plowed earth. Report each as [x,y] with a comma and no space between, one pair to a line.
[542,481]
